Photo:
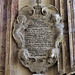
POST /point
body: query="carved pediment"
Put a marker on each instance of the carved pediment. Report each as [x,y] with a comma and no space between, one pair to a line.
[38,31]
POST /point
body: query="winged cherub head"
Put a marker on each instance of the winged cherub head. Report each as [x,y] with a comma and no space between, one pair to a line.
[55,18]
[21,19]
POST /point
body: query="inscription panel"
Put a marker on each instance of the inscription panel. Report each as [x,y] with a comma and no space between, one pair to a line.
[39,36]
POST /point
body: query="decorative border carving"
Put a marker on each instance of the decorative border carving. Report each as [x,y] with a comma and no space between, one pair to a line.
[48,15]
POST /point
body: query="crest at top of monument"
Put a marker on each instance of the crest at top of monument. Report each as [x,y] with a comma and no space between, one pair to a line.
[37,32]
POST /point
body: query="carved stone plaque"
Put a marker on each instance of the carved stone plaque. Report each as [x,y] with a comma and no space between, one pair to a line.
[38,31]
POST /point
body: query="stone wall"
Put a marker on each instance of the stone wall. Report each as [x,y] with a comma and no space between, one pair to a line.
[9,64]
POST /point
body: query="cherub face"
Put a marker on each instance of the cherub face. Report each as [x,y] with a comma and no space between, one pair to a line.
[55,18]
[21,19]
[58,18]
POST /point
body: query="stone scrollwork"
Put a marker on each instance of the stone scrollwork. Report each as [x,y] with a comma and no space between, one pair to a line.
[38,31]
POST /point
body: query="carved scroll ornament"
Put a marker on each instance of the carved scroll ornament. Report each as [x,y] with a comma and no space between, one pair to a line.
[38,31]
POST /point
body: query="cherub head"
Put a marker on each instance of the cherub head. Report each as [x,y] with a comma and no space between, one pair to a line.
[55,18]
[21,19]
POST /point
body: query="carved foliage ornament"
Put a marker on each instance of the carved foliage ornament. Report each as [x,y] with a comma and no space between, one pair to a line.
[38,31]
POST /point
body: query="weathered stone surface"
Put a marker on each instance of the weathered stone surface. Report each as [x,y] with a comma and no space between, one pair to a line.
[38,31]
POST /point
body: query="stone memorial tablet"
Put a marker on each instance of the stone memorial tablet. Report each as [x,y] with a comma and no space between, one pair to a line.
[38,31]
